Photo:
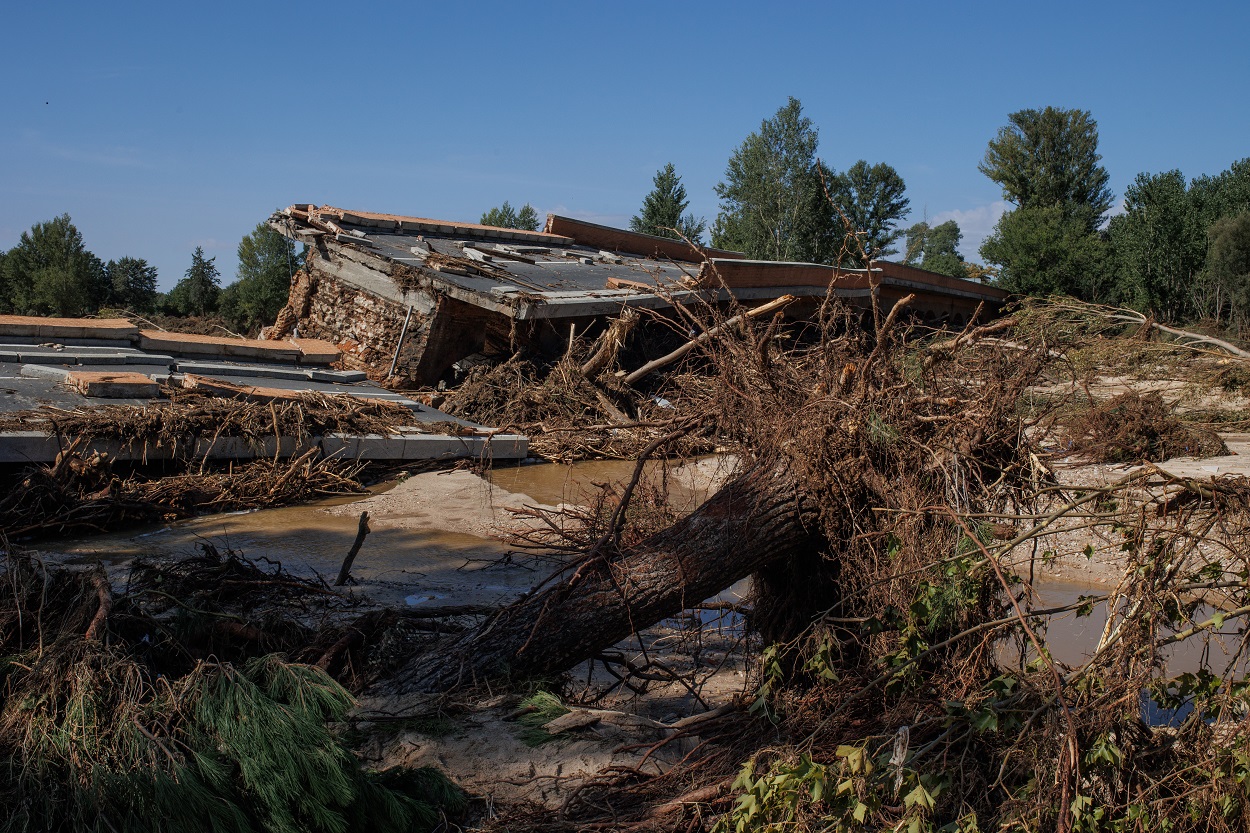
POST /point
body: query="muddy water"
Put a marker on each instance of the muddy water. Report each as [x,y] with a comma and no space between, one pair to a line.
[434,536]
[688,484]
[441,537]
[1073,639]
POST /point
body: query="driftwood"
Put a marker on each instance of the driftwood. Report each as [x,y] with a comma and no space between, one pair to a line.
[345,571]
[755,519]
[609,344]
[663,361]
[1192,338]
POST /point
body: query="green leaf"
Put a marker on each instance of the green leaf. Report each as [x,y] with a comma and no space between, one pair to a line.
[918,797]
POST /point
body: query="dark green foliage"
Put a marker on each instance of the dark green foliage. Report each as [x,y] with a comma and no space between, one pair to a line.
[132,284]
[663,210]
[505,216]
[1158,245]
[199,292]
[1047,163]
[773,203]
[1049,158]
[50,272]
[267,260]
[871,198]
[936,248]
[1228,264]
[1046,251]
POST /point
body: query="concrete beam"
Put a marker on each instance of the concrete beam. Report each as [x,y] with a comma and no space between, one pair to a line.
[32,447]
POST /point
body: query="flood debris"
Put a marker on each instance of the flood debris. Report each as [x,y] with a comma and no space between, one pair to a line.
[1134,427]
[901,489]
[154,708]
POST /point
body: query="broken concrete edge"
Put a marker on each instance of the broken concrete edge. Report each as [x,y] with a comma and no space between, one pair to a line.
[31,447]
[116,331]
[105,385]
[31,326]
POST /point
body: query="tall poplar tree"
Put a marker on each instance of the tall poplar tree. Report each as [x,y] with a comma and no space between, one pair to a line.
[773,203]
[1047,163]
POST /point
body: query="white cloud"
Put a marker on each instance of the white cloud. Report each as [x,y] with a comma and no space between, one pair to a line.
[975,223]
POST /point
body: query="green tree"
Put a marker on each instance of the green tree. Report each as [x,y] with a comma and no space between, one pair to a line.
[1047,163]
[132,284]
[1158,246]
[936,248]
[527,218]
[1049,158]
[1046,251]
[871,198]
[773,204]
[1228,266]
[267,261]
[663,209]
[1223,195]
[199,292]
[50,272]
[505,216]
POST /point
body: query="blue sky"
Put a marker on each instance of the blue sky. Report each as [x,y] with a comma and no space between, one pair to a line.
[160,127]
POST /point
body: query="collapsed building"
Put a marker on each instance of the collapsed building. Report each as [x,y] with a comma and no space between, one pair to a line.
[405,298]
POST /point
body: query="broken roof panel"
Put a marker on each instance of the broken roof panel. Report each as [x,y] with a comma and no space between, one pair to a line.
[574,267]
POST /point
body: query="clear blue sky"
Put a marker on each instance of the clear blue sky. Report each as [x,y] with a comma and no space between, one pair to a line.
[160,127]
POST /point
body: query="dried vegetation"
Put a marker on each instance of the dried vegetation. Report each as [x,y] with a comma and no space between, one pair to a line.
[907,682]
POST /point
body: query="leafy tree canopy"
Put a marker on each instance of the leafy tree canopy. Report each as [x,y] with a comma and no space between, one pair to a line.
[871,198]
[1049,158]
[1228,262]
[267,260]
[505,216]
[936,248]
[50,272]
[773,204]
[197,293]
[1047,251]
[1158,245]
[132,284]
[663,209]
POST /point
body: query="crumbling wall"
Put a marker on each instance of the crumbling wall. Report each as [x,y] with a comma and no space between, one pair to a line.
[366,327]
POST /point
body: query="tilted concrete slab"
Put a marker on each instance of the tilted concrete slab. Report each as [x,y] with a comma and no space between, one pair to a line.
[112,385]
[30,326]
[30,447]
[296,351]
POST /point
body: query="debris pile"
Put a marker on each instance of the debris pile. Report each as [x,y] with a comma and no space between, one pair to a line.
[116,714]
[1134,428]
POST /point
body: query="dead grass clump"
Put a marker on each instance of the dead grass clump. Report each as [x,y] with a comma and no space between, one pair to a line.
[1232,375]
[191,415]
[81,493]
[1135,427]
[568,416]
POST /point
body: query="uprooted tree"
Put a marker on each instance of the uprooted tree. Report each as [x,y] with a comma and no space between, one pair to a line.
[896,501]
[898,491]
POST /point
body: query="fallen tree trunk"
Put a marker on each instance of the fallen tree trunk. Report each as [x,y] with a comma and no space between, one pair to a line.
[754,520]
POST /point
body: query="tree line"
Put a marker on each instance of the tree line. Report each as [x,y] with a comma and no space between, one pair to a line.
[1178,250]
[51,272]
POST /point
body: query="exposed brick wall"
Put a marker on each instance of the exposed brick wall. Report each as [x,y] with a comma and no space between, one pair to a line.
[363,326]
